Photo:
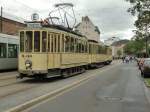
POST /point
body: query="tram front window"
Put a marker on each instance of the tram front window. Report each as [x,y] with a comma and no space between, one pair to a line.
[22,41]
[28,41]
[44,35]
[36,41]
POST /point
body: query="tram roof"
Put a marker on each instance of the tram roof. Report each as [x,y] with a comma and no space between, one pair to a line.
[60,27]
[53,26]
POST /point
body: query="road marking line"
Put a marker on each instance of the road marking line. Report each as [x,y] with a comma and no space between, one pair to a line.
[54,93]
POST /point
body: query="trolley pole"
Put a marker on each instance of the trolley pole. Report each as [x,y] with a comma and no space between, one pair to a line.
[1,20]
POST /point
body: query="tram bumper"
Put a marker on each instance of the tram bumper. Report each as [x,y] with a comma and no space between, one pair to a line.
[31,73]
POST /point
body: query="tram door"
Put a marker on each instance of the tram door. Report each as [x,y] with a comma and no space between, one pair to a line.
[53,50]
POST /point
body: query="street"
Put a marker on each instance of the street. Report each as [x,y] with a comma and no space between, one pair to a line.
[119,89]
[75,56]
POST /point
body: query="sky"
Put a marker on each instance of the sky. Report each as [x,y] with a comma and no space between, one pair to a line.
[110,16]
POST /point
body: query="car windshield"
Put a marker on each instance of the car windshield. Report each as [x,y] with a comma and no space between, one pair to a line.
[147,62]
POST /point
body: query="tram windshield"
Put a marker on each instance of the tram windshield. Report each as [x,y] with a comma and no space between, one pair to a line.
[37,41]
[33,41]
[28,41]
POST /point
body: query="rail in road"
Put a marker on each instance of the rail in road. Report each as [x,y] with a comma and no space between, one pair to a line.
[44,90]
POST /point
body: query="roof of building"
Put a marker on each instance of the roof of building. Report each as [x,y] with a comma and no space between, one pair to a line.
[13,17]
[120,42]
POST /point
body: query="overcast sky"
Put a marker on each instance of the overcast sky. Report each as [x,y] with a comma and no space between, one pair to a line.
[109,15]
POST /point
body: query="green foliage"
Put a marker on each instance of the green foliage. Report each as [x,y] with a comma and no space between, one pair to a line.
[141,8]
[134,46]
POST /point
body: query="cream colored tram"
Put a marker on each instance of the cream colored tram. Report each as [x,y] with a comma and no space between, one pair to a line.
[50,52]
[98,54]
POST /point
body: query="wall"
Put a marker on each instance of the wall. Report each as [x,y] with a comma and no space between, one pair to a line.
[11,27]
[87,28]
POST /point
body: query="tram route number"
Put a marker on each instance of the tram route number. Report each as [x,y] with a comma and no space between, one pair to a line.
[26,56]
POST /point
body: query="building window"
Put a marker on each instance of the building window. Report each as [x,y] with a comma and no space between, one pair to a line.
[3,50]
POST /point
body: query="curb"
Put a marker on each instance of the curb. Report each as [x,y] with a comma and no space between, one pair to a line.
[39,99]
[147,93]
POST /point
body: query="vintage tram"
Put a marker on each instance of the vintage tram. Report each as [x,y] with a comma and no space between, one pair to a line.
[52,50]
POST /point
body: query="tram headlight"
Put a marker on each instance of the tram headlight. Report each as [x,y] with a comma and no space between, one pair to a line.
[28,64]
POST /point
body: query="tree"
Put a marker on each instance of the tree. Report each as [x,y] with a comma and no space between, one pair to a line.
[134,46]
[141,8]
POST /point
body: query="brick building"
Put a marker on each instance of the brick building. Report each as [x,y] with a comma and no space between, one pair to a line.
[10,24]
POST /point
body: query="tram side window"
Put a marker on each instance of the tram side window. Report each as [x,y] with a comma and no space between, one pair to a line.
[36,41]
[29,42]
[49,36]
[44,35]
[22,41]
[86,47]
[72,44]
[12,51]
[52,42]
[62,42]
[67,43]
[82,47]
[75,45]
[55,43]
[3,50]
[58,43]
[99,49]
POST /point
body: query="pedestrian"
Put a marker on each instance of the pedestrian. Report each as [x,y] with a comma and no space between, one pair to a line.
[123,58]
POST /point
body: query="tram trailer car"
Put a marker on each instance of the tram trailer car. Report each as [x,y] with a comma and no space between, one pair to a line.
[51,51]
[8,52]
[98,54]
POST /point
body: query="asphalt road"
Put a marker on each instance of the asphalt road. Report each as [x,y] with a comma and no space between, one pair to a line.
[118,89]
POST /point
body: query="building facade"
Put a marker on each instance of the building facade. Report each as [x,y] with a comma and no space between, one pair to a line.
[87,28]
[10,24]
[111,40]
[118,48]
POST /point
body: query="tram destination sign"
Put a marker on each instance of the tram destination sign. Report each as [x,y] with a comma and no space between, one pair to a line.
[34,25]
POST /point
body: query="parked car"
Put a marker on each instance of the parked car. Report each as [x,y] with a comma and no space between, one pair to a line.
[145,68]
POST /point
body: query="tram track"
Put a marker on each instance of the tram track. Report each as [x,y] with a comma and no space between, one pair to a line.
[19,86]
[7,82]
[7,75]
[12,92]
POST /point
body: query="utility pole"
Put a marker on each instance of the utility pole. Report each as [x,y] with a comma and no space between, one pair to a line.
[1,20]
